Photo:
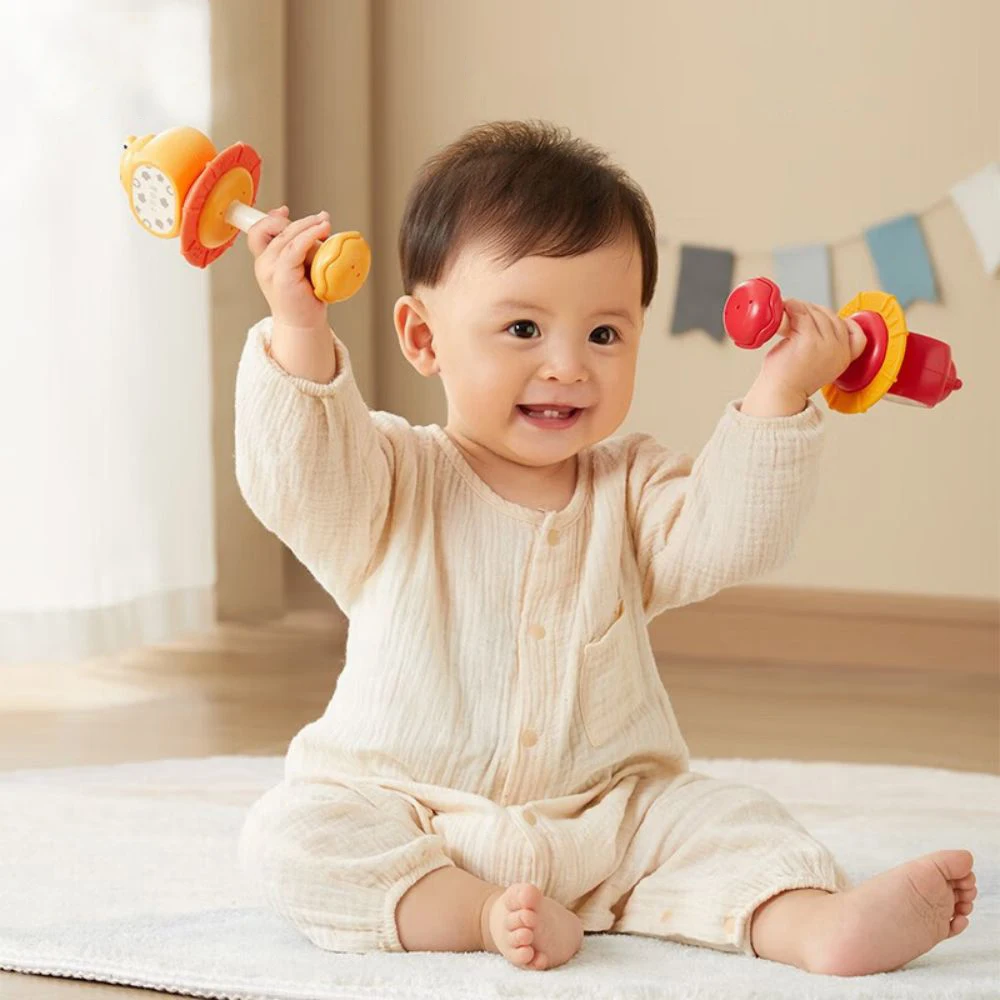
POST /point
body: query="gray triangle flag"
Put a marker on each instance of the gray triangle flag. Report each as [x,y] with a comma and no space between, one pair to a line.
[702,289]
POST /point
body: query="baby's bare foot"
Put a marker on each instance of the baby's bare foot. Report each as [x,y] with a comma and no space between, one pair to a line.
[889,920]
[531,930]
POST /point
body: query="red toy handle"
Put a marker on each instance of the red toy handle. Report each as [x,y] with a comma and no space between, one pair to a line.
[753,315]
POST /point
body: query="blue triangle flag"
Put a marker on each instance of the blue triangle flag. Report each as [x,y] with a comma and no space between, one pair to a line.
[900,254]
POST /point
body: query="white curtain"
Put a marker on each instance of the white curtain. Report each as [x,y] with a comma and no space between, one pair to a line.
[106,506]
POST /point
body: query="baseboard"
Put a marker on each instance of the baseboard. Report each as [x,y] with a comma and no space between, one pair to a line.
[835,628]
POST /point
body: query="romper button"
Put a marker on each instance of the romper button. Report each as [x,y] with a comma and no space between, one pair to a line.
[530,818]
[553,537]
[529,738]
[536,632]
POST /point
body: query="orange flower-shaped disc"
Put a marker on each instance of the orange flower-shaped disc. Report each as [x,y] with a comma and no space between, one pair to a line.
[238,159]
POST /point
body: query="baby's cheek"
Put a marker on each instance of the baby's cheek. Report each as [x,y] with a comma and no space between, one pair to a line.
[487,379]
[610,415]
[617,391]
[479,393]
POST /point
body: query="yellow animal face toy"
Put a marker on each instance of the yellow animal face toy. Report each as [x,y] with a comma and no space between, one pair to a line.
[178,185]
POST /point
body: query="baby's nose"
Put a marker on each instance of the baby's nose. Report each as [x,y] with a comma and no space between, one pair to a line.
[565,365]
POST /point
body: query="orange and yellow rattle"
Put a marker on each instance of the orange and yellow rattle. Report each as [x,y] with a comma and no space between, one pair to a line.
[178,185]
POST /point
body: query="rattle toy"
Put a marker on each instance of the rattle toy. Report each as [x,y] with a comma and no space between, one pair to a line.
[178,185]
[897,363]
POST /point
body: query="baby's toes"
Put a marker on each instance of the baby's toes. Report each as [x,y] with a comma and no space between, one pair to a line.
[522,937]
[521,918]
[969,882]
[522,896]
[963,909]
[540,961]
[966,895]
[958,925]
[954,865]
[522,956]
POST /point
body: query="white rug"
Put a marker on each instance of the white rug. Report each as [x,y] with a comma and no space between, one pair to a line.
[127,874]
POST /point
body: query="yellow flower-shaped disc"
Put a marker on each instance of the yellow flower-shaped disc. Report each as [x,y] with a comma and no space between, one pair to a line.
[895,322]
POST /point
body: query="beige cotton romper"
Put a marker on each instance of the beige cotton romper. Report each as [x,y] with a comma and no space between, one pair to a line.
[500,708]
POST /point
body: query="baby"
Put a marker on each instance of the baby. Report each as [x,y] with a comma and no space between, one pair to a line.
[499,767]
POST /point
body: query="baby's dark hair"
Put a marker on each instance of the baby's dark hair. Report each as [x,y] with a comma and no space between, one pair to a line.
[526,187]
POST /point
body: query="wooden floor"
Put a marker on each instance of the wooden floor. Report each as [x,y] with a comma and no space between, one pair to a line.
[245,690]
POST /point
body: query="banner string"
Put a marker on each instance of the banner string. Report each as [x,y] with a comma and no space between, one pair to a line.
[833,245]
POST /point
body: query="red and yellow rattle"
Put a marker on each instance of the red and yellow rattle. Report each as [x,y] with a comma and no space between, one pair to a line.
[177,185]
[896,363]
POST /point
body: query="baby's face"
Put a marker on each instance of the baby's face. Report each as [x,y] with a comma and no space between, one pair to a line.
[556,334]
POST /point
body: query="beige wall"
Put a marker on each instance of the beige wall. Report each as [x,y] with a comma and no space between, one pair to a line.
[331,165]
[248,105]
[749,125]
[294,81]
[329,142]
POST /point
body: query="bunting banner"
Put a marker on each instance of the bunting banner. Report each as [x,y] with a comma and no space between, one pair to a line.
[706,279]
[900,256]
[978,199]
[805,271]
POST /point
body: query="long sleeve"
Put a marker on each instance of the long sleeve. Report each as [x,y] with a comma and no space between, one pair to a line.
[730,516]
[313,464]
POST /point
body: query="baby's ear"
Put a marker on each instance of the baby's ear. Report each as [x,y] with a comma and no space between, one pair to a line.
[416,339]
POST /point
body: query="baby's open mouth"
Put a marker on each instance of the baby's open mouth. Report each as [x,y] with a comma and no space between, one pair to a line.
[549,416]
[549,412]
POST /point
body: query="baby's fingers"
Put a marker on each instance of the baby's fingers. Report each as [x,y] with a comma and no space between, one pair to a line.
[292,230]
[857,339]
[826,320]
[845,332]
[295,251]
[800,318]
[812,320]
[261,233]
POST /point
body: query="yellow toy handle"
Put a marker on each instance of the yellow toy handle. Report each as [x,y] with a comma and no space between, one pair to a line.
[179,186]
[337,265]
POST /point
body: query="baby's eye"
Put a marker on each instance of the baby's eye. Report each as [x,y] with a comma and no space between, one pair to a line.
[606,335]
[523,329]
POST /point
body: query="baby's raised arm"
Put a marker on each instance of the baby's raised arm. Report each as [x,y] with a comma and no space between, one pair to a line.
[735,513]
[300,339]
[727,518]
[314,464]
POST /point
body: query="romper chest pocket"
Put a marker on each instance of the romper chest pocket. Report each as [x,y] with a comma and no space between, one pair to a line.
[610,692]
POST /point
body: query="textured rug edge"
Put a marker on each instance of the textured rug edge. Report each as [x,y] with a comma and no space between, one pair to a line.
[276,759]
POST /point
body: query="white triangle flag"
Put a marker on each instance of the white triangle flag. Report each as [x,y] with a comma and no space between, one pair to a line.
[803,271]
[978,199]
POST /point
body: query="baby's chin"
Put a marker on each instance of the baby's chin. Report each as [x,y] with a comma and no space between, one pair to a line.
[530,446]
[526,444]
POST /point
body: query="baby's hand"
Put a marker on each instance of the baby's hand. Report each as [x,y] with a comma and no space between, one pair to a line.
[280,248]
[819,347]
